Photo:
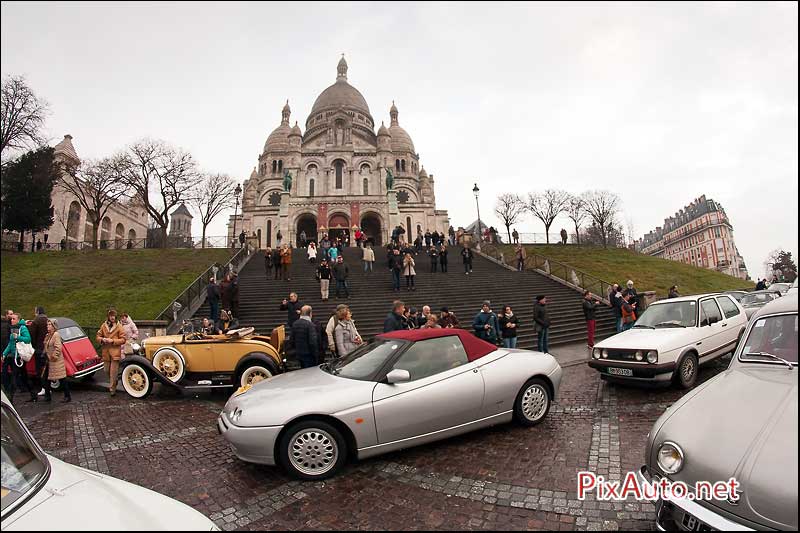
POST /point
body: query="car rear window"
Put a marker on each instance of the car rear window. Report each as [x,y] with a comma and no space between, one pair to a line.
[728,307]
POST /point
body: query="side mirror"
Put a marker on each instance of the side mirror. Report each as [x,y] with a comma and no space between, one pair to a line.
[398,375]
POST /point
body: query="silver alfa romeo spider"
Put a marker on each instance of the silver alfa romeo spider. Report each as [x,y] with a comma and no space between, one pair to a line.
[403,389]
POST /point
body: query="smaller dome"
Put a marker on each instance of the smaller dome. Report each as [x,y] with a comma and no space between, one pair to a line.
[253,174]
[295,131]
[401,140]
[278,140]
[422,173]
[382,131]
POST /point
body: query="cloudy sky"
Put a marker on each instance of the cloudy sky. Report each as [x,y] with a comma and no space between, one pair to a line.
[658,102]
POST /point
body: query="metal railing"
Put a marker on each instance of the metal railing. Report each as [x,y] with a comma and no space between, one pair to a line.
[13,245]
[195,292]
[556,269]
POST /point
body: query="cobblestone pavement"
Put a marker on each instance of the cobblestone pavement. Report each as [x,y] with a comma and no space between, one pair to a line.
[507,477]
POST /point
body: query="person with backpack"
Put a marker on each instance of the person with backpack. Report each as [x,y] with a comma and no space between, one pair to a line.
[541,318]
[485,324]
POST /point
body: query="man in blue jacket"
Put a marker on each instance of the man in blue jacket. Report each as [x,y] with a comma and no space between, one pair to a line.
[485,324]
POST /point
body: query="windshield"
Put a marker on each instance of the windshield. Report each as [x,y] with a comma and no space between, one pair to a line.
[736,295]
[756,299]
[24,465]
[775,335]
[675,314]
[71,333]
[366,360]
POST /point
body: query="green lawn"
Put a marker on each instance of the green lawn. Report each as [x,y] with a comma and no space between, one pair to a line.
[618,265]
[82,285]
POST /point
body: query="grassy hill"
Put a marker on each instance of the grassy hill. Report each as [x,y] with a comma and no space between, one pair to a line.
[82,285]
[648,273]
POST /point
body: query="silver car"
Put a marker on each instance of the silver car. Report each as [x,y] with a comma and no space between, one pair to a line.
[740,424]
[404,389]
[753,301]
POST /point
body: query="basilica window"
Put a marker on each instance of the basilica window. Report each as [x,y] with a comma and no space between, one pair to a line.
[397,165]
[339,166]
[311,187]
[366,186]
[275,199]
[274,166]
[403,165]
[365,168]
[402,197]
[280,166]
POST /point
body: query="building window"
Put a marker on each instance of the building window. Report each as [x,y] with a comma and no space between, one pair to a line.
[339,166]
[366,186]
[311,187]
[280,165]
[403,165]
[397,165]
[274,166]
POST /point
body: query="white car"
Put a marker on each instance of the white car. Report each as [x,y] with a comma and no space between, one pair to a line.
[40,492]
[793,288]
[671,339]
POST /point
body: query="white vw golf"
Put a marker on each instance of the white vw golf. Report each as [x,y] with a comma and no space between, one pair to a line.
[671,339]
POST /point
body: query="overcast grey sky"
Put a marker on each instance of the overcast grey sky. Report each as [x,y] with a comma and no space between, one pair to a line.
[658,102]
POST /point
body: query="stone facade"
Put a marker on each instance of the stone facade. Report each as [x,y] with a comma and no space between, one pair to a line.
[338,169]
[700,234]
[123,221]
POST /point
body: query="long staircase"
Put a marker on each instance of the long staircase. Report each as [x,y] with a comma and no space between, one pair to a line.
[371,295]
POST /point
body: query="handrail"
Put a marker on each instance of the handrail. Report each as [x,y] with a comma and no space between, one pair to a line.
[556,269]
[195,288]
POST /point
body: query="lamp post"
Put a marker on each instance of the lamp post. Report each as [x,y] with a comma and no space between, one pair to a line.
[476,191]
[236,194]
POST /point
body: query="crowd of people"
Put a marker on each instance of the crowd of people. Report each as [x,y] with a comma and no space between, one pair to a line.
[223,301]
[40,336]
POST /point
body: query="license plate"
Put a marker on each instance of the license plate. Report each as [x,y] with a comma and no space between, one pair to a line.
[620,371]
[693,524]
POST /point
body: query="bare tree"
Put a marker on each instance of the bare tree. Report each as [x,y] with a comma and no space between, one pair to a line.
[769,263]
[212,195]
[510,208]
[603,207]
[96,185]
[161,176]
[23,115]
[630,227]
[576,211]
[547,206]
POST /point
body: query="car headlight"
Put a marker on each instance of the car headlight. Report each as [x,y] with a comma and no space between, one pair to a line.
[236,414]
[605,353]
[652,356]
[638,355]
[670,458]
[596,353]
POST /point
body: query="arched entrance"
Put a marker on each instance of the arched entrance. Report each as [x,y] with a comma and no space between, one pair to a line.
[371,226]
[339,226]
[307,223]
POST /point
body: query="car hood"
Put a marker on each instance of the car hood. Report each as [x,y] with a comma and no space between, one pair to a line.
[282,398]
[164,339]
[662,339]
[751,436]
[78,499]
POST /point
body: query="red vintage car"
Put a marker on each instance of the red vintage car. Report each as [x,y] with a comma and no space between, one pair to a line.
[80,357]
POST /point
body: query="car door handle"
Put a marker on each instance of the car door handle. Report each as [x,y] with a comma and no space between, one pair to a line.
[475,370]
[723,325]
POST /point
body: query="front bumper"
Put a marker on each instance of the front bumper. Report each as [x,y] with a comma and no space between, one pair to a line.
[687,515]
[87,371]
[253,445]
[640,371]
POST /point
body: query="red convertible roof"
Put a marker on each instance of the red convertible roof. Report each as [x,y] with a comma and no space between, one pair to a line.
[475,347]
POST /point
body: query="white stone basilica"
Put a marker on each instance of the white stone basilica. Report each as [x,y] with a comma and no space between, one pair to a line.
[338,169]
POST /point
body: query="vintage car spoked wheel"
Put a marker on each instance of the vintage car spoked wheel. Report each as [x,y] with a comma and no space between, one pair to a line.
[312,450]
[533,402]
[253,374]
[136,381]
[687,371]
[170,363]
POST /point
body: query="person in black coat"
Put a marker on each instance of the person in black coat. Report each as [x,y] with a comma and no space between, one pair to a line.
[443,257]
[466,257]
[509,322]
[235,294]
[434,255]
[276,262]
[212,295]
[38,330]
[590,304]
[293,307]
[305,338]
[394,320]
[541,317]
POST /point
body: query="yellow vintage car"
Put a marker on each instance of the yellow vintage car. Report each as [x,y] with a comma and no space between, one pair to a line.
[198,361]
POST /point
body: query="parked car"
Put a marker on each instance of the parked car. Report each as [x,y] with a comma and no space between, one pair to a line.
[404,389]
[737,295]
[793,288]
[755,300]
[671,340]
[195,360]
[40,492]
[783,288]
[740,424]
[80,357]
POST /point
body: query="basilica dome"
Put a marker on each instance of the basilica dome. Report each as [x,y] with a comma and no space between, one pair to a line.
[401,140]
[340,94]
[278,140]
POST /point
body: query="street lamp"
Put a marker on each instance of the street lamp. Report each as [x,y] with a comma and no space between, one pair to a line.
[236,194]
[476,191]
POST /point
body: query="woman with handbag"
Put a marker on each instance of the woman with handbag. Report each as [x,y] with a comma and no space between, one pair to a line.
[55,359]
[14,356]
[111,337]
